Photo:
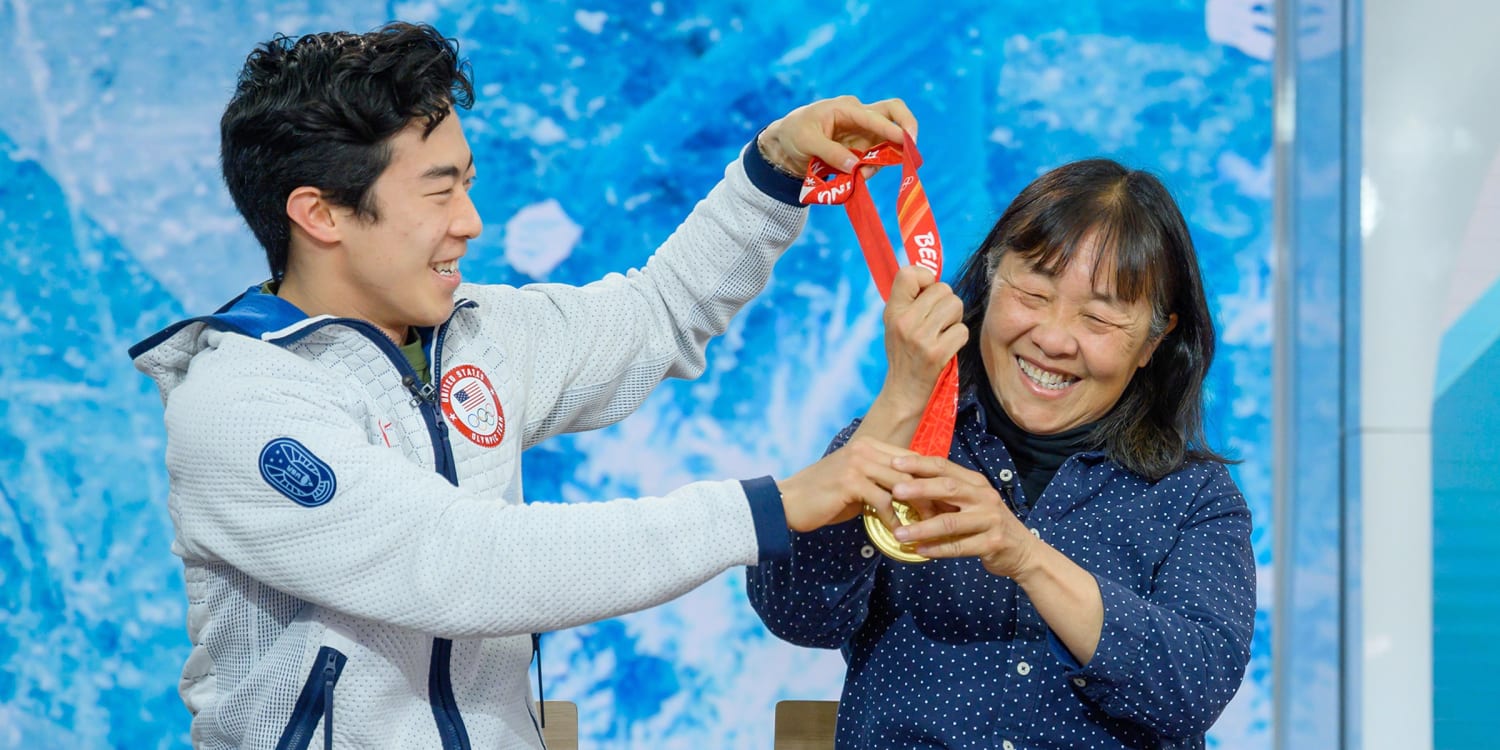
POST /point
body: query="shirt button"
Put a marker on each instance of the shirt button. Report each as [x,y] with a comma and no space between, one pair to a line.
[1007,745]
[1036,533]
[1080,682]
[1023,668]
[1005,476]
[867,552]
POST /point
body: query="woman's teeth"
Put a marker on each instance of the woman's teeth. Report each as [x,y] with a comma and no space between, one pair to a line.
[1049,380]
[447,268]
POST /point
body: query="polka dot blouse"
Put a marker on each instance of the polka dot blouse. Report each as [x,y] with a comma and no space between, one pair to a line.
[946,655]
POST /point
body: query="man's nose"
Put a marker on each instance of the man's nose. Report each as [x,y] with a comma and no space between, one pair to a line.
[467,223]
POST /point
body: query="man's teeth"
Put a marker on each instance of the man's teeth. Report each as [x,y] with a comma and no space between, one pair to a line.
[1049,380]
[447,268]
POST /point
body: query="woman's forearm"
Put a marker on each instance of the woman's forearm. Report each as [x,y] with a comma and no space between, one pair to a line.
[891,421]
[1067,597]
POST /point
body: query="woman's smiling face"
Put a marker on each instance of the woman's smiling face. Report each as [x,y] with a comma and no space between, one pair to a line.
[1060,350]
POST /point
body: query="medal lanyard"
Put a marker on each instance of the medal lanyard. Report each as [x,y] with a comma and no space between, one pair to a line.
[828,186]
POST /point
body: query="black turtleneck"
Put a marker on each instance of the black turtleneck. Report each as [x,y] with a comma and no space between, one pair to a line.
[1037,457]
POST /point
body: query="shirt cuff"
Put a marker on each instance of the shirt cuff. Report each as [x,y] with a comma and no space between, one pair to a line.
[767,178]
[771,533]
[1117,658]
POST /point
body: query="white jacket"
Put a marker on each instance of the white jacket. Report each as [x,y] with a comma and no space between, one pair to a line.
[357,546]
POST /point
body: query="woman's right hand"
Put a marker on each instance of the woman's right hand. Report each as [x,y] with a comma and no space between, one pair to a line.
[923,330]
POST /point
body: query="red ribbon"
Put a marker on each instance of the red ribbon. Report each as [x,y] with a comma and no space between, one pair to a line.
[828,186]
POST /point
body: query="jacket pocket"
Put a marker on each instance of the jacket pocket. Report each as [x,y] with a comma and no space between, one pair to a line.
[314,702]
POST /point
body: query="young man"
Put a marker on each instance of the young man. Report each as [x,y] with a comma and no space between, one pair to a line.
[344,441]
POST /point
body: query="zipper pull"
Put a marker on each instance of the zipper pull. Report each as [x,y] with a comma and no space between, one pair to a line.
[419,391]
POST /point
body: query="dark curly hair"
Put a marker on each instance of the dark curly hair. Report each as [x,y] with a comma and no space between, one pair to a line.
[319,110]
[1157,424]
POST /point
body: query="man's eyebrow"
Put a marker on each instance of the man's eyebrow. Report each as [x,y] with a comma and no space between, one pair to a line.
[446,171]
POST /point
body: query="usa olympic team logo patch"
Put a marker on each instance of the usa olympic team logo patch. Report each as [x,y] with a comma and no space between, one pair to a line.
[294,471]
[469,404]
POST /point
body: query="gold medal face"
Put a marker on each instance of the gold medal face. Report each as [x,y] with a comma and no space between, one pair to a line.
[885,541]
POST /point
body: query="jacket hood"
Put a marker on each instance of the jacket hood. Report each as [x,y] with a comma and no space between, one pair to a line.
[164,356]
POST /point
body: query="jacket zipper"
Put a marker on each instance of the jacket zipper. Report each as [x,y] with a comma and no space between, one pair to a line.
[330,677]
[450,725]
[440,694]
[314,702]
[440,680]
[424,398]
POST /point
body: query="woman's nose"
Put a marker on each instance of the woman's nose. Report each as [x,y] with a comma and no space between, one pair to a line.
[1053,338]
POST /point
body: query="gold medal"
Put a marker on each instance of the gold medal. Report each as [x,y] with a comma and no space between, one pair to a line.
[885,541]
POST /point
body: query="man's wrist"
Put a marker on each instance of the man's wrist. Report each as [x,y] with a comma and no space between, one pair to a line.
[768,513]
[770,178]
[773,156]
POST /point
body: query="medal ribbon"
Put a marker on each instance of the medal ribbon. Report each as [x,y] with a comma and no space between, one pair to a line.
[828,186]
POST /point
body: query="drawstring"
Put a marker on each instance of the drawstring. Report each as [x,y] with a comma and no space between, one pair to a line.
[541,703]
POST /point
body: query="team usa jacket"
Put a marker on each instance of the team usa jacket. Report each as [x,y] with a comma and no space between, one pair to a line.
[361,567]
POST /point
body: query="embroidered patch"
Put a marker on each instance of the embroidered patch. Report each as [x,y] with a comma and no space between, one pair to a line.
[469,404]
[294,471]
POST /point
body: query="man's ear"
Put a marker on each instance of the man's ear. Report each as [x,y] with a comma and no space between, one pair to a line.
[307,208]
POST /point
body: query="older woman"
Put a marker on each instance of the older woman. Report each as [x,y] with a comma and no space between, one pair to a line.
[1095,586]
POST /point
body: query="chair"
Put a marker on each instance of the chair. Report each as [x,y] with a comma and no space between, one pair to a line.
[805,725]
[561,730]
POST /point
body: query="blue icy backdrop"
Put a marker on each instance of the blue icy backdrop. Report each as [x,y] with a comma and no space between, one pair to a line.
[597,128]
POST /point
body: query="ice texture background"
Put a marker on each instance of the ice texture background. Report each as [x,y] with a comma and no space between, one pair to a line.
[597,127]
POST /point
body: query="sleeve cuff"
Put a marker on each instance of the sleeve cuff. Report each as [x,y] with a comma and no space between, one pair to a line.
[771,533]
[767,178]
[1064,656]
[1117,658]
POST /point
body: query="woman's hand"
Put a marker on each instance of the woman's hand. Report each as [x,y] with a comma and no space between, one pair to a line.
[980,525]
[976,521]
[923,330]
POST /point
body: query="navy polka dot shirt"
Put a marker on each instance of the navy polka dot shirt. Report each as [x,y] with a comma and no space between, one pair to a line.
[945,654]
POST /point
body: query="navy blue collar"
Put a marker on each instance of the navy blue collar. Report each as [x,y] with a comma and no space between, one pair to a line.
[256,313]
[263,316]
[253,313]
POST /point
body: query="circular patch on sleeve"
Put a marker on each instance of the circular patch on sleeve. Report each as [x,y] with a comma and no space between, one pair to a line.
[293,470]
[469,404]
